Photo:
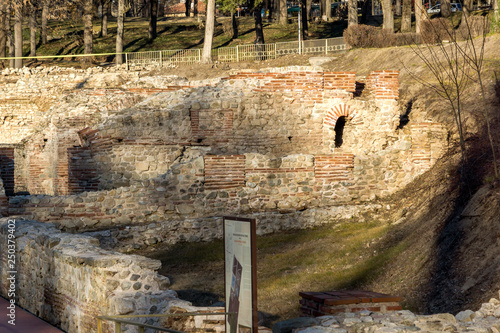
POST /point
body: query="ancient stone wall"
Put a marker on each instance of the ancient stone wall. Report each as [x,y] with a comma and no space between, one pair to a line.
[69,280]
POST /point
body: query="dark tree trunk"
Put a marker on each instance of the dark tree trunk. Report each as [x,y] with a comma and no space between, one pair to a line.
[188,7]
[10,37]
[406,19]
[153,7]
[352,16]
[259,31]
[161,8]
[303,18]
[146,9]
[235,26]
[87,29]
[195,8]
[119,31]
[18,32]
[32,24]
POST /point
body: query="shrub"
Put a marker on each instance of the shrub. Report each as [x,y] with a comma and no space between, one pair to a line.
[358,36]
[436,30]
[478,26]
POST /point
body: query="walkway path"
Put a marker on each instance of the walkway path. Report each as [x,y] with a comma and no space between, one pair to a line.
[25,321]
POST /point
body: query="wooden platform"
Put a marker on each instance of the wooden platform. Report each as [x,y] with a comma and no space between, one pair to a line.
[314,304]
[25,321]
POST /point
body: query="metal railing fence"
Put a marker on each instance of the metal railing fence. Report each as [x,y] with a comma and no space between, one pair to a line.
[237,53]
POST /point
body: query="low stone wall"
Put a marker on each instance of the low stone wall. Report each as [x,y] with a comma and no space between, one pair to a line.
[68,279]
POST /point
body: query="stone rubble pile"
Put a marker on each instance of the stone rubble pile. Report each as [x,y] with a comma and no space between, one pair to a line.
[484,320]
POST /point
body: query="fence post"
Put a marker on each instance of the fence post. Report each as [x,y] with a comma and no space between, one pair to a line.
[161,60]
[326,46]
[237,53]
[118,327]
[126,61]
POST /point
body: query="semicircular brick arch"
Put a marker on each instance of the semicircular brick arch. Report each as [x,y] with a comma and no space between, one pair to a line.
[338,111]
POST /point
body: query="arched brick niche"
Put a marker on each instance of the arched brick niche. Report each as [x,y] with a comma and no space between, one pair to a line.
[338,111]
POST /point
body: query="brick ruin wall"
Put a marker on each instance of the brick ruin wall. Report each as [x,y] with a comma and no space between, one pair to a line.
[69,280]
[168,158]
[250,143]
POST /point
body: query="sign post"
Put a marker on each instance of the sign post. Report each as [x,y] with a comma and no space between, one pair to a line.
[240,274]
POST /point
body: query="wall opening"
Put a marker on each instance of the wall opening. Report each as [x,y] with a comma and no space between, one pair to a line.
[404,119]
[339,131]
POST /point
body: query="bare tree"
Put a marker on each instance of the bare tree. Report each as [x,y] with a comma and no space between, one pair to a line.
[389,14]
[18,32]
[45,14]
[453,65]
[352,16]
[119,31]
[32,24]
[206,57]
[153,12]
[3,32]
[303,17]
[283,13]
[88,29]
[328,10]
[406,19]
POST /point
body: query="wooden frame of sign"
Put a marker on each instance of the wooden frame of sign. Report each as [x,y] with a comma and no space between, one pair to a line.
[240,274]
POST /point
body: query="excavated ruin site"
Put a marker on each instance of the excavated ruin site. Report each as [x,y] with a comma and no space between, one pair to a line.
[96,163]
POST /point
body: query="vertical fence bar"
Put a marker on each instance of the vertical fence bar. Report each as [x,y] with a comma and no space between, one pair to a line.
[126,61]
[326,46]
[141,329]
[99,325]
[118,327]
[237,54]
[161,60]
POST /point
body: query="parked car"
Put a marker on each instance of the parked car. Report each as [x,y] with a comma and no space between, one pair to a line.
[455,7]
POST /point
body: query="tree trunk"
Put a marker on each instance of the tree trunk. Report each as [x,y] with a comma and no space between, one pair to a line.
[309,11]
[467,10]
[119,31]
[446,8]
[18,33]
[283,13]
[10,37]
[106,9]
[235,25]
[398,8]
[406,19]
[32,30]
[161,8]
[3,32]
[419,16]
[496,14]
[195,8]
[259,31]
[153,7]
[146,9]
[45,14]
[88,30]
[352,16]
[188,7]
[328,10]
[389,14]
[322,8]
[206,57]
[303,18]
